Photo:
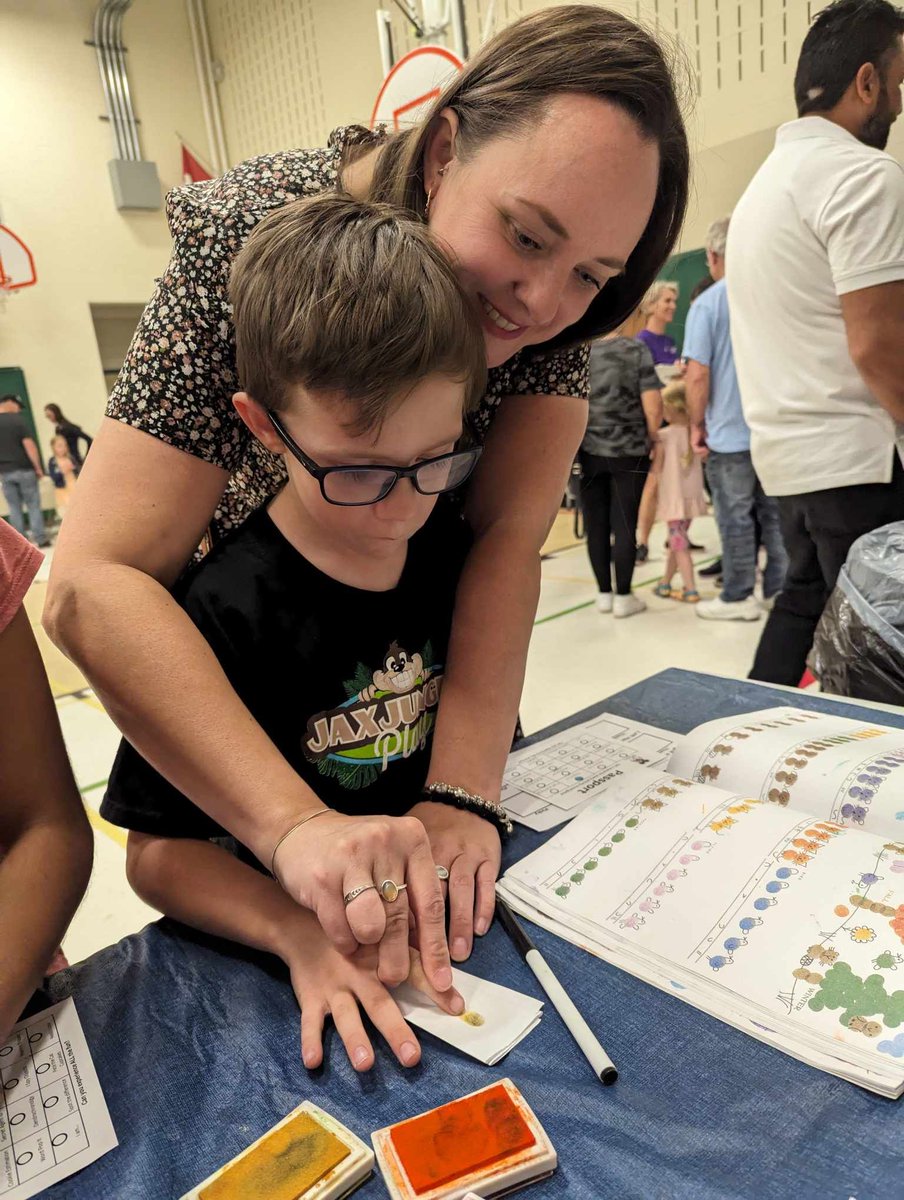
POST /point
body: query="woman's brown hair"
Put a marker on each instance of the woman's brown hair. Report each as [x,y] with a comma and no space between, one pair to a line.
[570,49]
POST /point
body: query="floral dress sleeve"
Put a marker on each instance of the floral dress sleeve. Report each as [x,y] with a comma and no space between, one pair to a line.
[557,373]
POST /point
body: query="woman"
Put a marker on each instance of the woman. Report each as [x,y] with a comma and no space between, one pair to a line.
[554,168]
[625,415]
[71,432]
[658,309]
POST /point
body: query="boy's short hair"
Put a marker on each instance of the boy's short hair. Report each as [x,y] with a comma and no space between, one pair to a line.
[340,295]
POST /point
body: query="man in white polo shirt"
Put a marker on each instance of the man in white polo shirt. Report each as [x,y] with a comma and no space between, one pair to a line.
[815,271]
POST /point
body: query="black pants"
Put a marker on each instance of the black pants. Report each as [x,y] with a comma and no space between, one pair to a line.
[611,489]
[818,529]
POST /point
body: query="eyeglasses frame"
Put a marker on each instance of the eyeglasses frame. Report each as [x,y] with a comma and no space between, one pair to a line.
[320,473]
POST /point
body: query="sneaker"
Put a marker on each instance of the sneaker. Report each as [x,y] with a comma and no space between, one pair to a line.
[642,553]
[628,606]
[718,609]
[712,570]
[604,602]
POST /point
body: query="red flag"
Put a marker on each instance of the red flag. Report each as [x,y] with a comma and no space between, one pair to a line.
[193,170]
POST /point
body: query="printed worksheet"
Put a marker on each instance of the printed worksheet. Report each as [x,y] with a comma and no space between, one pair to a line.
[832,767]
[53,1116]
[551,782]
[785,925]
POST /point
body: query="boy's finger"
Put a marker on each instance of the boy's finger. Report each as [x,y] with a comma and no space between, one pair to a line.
[350,1028]
[311,1036]
[385,1014]
[426,900]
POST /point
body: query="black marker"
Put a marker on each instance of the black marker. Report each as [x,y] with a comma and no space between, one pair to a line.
[602,1064]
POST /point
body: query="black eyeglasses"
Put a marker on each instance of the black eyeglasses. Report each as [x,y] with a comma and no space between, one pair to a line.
[353,486]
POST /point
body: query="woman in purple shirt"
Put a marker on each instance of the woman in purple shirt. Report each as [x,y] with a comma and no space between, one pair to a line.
[658,307]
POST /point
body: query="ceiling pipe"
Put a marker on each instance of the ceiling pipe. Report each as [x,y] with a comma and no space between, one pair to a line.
[207,83]
[135,182]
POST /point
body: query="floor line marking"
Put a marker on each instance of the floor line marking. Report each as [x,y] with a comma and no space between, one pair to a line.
[119,836]
[644,583]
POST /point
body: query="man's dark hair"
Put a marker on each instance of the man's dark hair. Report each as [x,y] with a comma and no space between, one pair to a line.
[9,398]
[844,36]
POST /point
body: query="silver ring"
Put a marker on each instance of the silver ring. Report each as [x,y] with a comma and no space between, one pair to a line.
[356,892]
[442,872]
[390,890]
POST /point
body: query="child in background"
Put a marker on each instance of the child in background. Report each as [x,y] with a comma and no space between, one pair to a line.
[46,844]
[681,497]
[63,469]
[330,608]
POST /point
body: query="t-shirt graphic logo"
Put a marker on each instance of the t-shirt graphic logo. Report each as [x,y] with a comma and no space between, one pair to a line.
[388,715]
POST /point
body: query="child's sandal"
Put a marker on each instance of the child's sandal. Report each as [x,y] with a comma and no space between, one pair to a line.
[689,596]
[663,589]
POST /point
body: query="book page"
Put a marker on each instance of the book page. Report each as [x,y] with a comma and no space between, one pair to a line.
[550,782]
[749,910]
[831,767]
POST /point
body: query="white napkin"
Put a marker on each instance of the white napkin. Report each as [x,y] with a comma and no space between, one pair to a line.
[495,1019]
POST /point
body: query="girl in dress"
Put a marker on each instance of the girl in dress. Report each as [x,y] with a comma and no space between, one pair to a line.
[680,475]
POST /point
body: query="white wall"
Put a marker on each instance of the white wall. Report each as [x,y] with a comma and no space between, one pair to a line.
[55,190]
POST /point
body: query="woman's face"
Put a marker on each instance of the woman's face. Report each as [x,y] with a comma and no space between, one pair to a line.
[537,224]
[664,308]
[50,415]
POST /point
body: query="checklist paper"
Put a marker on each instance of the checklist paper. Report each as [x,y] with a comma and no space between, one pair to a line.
[53,1117]
[495,1019]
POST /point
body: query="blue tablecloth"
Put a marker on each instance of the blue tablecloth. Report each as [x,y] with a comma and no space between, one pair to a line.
[197,1049]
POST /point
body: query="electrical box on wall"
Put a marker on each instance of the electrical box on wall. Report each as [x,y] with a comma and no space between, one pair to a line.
[136,184]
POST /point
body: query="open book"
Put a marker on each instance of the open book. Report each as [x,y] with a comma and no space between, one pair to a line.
[759,877]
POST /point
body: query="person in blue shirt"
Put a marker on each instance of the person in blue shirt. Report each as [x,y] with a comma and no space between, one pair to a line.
[720,433]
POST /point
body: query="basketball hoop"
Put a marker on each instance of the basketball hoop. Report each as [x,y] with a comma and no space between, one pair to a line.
[17,264]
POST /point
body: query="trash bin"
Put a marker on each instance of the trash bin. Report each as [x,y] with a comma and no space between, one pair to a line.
[858,649]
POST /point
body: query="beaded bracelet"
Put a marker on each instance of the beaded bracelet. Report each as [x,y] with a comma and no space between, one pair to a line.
[447,793]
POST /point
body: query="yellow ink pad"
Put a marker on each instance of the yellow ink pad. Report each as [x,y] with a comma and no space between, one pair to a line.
[308,1156]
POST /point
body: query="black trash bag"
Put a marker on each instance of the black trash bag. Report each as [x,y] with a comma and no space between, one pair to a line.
[858,649]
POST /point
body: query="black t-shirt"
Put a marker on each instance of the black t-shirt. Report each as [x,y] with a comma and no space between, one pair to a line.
[345,682]
[13,430]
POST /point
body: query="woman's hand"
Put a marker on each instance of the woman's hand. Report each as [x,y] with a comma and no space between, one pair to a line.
[326,983]
[326,859]
[470,848]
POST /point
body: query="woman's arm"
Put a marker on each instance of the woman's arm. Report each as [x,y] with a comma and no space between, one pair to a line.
[139,511]
[512,503]
[43,827]
[204,886]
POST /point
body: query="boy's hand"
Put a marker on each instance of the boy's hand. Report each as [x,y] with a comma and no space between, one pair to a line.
[470,848]
[335,855]
[329,983]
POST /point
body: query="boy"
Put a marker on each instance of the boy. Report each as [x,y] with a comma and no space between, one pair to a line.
[329,610]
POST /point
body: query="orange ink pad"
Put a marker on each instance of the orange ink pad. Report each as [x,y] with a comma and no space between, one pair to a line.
[489,1141]
[307,1156]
